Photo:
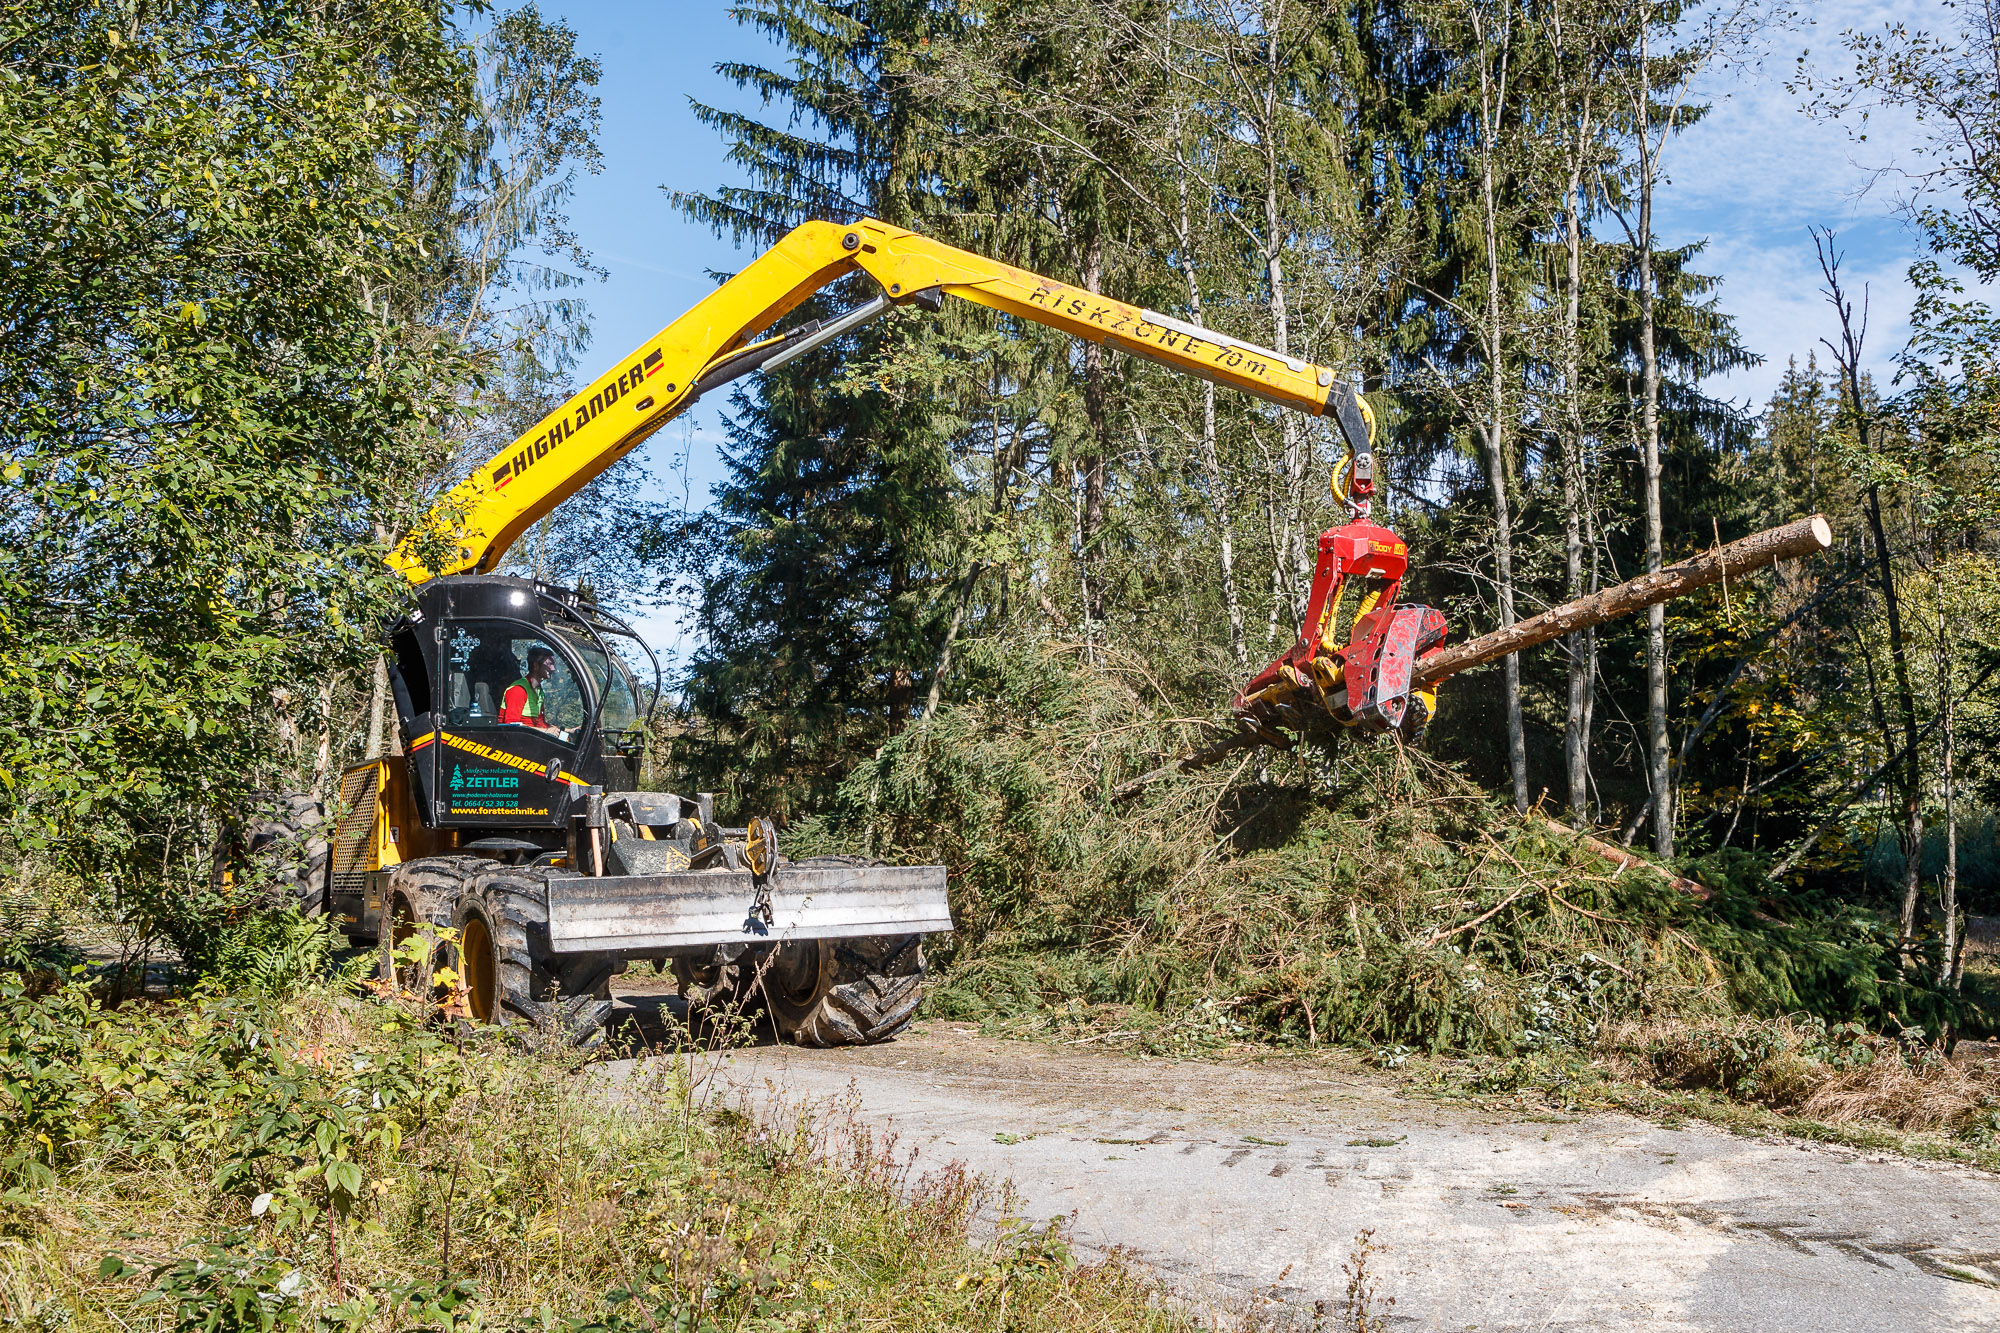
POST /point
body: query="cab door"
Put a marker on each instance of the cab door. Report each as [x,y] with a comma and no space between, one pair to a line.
[491,773]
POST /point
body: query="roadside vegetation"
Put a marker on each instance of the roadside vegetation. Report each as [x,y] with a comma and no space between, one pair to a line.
[253,1161]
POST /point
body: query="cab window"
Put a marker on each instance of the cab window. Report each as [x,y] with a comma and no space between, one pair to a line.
[612,677]
[484,660]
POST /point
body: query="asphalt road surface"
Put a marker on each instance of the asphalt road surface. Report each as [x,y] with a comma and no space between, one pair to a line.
[1245,1187]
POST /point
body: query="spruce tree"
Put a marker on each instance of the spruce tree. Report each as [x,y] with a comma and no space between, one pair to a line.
[822,559]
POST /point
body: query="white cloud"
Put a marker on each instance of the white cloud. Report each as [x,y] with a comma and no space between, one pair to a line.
[1756,144]
[1756,173]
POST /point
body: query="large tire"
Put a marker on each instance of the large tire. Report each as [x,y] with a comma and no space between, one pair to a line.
[511,977]
[424,892]
[850,992]
[278,845]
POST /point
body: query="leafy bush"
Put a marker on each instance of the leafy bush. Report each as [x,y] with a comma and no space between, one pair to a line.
[225,1163]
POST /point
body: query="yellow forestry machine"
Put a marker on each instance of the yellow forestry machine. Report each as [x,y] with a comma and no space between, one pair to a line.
[510,814]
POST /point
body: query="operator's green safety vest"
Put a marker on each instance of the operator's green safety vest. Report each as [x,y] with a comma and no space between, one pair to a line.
[531,701]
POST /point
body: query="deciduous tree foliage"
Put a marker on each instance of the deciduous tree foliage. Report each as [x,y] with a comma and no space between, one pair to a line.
[244,324]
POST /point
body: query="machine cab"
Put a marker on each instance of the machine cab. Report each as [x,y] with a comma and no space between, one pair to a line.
[515,698]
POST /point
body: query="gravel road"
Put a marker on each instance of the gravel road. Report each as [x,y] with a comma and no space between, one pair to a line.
[1246,1185]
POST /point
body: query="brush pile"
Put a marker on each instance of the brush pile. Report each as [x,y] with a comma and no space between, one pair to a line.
[1364,895]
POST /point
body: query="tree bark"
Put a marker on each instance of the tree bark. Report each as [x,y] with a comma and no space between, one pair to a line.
[1290,431]
[1906,704]
[1805,537]
[1581,649]
[943,665]
[323,753]
[378,697]
[1495,431]
[1096,410]
[1211,462]
[1658,757]
[1948,890]
[378,686]
[1592,542]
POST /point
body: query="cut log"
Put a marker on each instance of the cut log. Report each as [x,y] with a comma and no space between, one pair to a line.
[1808,536]
[1625,859]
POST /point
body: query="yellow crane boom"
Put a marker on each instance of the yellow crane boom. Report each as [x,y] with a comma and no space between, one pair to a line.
[713,343]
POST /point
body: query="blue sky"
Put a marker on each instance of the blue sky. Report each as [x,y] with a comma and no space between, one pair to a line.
[1750,180]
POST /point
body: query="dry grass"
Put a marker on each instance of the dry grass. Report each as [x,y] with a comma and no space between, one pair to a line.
[1929,1094]
[1801,1067]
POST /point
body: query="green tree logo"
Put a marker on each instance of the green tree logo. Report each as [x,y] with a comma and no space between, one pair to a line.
[457,779]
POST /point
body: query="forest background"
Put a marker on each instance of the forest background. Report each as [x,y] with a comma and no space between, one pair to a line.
[278,275]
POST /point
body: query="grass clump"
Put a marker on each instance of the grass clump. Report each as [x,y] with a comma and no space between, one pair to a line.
[223,1163]
[1833,1074]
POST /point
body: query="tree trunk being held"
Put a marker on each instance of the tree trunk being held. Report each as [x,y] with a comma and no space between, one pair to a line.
[1807,536]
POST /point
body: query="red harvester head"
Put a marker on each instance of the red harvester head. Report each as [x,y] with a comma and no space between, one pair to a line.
[1356,675]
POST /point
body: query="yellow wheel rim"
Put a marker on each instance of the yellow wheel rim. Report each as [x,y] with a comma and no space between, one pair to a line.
[476,956]
[762,849]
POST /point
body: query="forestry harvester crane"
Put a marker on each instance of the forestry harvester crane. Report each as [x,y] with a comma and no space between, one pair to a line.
[510,812]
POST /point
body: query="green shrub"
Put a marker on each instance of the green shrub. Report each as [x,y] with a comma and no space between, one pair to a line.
[245,1163]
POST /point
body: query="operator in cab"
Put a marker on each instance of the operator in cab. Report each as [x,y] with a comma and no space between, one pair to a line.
[521,705]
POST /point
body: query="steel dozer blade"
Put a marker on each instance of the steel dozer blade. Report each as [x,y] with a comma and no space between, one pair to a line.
[706,907]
